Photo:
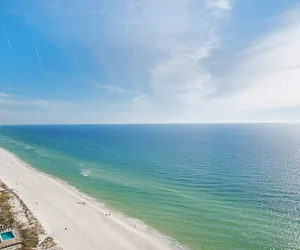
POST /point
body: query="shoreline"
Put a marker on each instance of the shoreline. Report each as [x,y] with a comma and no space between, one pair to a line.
[120,231]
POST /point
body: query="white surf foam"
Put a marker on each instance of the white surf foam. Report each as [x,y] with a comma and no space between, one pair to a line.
[85,172]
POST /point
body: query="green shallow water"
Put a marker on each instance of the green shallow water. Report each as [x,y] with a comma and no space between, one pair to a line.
[207,186]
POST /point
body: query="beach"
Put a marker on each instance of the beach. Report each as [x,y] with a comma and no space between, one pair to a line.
[74,220]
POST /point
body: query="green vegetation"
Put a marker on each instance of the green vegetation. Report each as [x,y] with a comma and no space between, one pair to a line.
[48,243]
[30,238]
[6,216]
[28,233]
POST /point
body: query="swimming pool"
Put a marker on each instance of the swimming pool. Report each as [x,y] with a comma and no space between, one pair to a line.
[9,235]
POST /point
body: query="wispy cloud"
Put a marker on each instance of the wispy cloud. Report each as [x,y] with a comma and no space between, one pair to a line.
[157,53]
[114,88]
[272,72]
[144,39]
[15,109]
[219,4]
[140,97]
[21,101]
[3,95]
[50,104]
[182,78]
[133,94]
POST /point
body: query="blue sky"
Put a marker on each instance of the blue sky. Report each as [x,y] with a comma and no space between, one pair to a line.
[141,61]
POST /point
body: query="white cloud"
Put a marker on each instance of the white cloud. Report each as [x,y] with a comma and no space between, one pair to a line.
[276,86]
[141,97]
[3,95]
[9,100]
[134,95]
[182,78]
[114,88]
[16,109]
[219,4]
[51,104]
[142,39]
[265,80]
[158,52]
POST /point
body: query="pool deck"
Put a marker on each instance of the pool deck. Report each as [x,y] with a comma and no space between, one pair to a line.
[12,243]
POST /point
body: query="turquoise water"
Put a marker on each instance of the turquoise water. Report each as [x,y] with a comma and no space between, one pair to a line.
[7,235]
[207,186]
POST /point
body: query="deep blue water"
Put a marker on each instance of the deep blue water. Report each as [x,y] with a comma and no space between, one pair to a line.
[208,186]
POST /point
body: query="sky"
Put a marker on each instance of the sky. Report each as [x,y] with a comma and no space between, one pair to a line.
[141,61]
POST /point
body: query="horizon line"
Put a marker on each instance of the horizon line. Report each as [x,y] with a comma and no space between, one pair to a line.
[155,123]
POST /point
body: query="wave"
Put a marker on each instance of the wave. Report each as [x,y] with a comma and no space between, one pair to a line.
[85,172]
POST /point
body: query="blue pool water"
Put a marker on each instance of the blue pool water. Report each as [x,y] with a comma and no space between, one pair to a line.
[7,236]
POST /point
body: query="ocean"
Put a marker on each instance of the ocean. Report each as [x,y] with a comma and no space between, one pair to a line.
[207,186]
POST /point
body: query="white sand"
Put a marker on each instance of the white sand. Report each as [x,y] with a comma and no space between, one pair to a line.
[55,204]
